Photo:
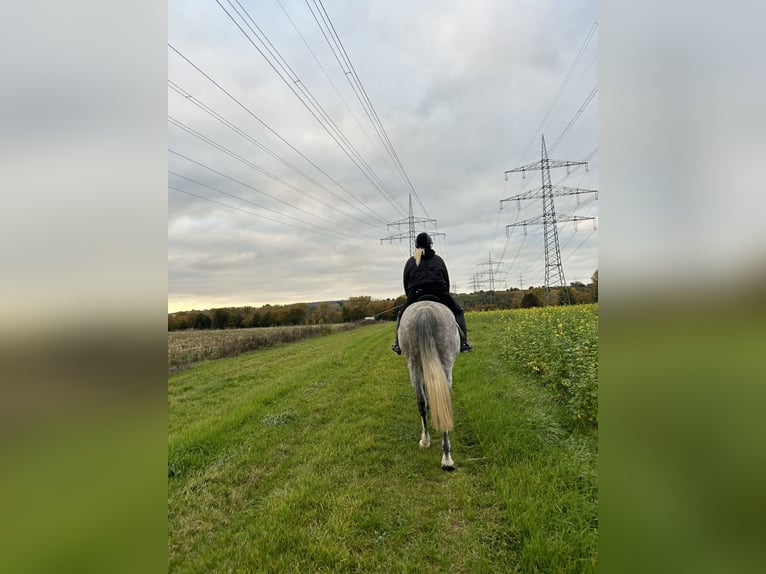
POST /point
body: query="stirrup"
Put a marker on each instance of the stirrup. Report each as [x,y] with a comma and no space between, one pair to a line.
[465,347]
[396,349]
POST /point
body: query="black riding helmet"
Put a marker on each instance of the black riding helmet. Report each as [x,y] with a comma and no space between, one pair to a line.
[423,241]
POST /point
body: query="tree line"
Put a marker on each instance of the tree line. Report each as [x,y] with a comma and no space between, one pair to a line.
[514,298]
[325,312]
[359,308]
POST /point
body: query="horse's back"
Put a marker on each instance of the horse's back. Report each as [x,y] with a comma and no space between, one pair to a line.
[431,319]
[441,312]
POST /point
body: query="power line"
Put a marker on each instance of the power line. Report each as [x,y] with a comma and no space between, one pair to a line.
[358,88]
[574,89]
[188,97]
[518,252]
[593,92]
[560,91]
[235,180]
[254,166]
[334,87]
[534,265]
[320,232]
[307,99]
[242,199]
[561,88]
[275,133]
[576,249]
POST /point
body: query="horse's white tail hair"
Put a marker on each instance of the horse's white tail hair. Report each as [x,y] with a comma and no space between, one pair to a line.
[436,383]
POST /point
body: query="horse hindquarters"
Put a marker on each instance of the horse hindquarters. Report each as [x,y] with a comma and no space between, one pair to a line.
[430,342]
[435,379]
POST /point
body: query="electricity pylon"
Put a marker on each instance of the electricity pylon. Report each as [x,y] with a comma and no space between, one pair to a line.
[410,222]
[491,271]
[554,272]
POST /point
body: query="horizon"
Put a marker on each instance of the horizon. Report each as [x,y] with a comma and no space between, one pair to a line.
[341,299]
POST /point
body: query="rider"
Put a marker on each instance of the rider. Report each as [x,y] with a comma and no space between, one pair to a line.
[425,273]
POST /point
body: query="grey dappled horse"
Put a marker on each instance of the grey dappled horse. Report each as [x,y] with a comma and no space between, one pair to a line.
[429,338]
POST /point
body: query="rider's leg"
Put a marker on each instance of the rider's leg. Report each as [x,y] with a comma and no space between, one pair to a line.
[395,347]
[411,298]
[460,320]
[455,307]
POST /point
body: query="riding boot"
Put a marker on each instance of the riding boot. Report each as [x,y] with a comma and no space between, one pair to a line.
[395,347]
[465,346]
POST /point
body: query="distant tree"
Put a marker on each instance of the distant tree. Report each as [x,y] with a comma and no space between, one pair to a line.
[529,300]
[354,309]
[297,314]
[220,318]
[179,321]
[236,319]
[278,315]
[594,279]
[202,321]
[564,293]
[326,313]
[264,315]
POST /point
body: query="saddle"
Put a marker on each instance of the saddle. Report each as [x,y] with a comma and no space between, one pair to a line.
[465,346]
[428,297]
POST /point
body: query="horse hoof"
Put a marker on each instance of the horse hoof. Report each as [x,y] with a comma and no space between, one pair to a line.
[424,444]
[449,468]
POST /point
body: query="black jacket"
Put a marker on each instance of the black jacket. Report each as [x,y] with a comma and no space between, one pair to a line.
[430,275]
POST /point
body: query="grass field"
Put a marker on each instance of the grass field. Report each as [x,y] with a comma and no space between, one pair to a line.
[303,458]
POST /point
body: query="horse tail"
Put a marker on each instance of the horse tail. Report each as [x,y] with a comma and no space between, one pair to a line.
[436,383]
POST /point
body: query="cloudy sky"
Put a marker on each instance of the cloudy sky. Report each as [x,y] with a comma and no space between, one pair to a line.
[298,131]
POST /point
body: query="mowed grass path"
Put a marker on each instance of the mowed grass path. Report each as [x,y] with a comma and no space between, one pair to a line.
[304,458]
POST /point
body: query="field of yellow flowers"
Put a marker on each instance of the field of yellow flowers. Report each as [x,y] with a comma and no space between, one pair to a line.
[558,346]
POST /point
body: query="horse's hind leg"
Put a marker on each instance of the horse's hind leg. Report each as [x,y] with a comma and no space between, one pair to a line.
[447,462]
[425,438]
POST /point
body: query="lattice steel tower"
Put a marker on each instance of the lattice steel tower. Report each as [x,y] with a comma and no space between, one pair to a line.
[491,271]
[410,222]
[554,272]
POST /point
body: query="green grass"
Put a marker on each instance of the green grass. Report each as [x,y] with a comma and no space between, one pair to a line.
[304,458]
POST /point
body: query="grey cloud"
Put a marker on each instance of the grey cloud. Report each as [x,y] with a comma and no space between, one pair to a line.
[460,90]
